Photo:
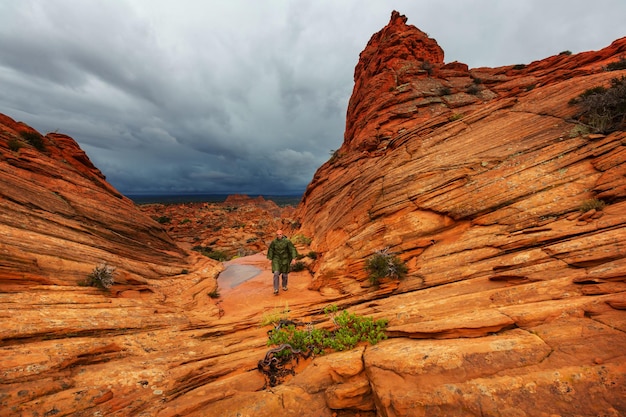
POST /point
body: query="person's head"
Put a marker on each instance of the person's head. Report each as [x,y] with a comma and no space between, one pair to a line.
[279,233]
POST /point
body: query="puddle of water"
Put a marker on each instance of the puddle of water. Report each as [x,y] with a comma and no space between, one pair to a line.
[236,274]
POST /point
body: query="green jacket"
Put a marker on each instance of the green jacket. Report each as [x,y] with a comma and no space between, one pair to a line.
[281,252]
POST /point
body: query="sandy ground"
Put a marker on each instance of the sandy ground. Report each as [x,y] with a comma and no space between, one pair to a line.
[246,288]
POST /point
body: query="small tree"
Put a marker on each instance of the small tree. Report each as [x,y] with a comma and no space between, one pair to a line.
[383,264]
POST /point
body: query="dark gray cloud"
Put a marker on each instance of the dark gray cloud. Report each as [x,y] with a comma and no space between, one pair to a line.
[240,96]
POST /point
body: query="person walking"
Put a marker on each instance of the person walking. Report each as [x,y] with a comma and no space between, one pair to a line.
[281,252]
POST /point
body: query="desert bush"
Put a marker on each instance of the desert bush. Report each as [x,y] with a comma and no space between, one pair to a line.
[579,130]
[163,219]
[617,65]
[298,266]
[473,89]
[215,293]
[604,109]
[445,91]
[300,239]
[15,144]
[312,255]
[349,330]
[34,139]
[101,277]
[428,67]
[385,265]
[592,204]
[210,253]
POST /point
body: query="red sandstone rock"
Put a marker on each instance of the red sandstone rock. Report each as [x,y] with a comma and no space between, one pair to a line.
[476,191]
[514,301]
[239,226]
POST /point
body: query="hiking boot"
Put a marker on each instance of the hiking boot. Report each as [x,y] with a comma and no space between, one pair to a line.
[275,292]
[284,288]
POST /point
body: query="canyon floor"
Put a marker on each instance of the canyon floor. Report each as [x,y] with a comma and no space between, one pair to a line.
[243,297]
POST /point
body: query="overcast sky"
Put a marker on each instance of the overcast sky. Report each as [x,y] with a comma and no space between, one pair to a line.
[241,96]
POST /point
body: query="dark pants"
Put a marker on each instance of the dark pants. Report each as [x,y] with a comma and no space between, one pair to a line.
[285,278]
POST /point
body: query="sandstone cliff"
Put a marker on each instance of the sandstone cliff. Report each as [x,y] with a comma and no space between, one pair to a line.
[513,304]
[475,178]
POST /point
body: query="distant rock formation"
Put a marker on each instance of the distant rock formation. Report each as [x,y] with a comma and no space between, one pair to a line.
[239,226]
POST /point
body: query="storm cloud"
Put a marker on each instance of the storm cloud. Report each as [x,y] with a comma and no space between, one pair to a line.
[240,96]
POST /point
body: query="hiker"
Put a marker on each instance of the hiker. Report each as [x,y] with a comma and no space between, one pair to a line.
[281,252]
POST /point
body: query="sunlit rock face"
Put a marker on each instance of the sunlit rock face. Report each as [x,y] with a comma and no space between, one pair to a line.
[60,217]
[448,166]
[513,304]
[67,347]
[476,179]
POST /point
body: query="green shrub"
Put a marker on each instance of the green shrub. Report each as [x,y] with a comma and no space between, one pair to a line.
[565,53]
[604,109]
[163,219]
[298,266]
[617,65]
[349,330]
[34,139]
[519,66]
[15,144]
[215,293]
[312,255]
[300,239]
[101,277]
[210,253]
[592,204]
[592,91]
[384,264]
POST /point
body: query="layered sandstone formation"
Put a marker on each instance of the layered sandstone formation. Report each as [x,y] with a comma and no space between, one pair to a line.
[513,304]
[59,220]
[514,300]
